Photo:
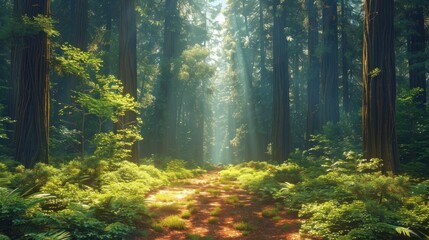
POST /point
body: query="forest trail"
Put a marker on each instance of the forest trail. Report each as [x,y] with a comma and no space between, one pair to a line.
[210,208]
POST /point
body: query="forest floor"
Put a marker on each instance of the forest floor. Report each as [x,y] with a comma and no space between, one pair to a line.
[210,208]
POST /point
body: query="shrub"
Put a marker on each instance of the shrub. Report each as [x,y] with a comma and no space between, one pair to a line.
[288,172]
[356,220]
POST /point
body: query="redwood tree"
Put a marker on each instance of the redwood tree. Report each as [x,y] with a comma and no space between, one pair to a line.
[344,59]
[166,105]
[32,107]
[313,114]
[329,68]
[379,84]
[281,133]
[128,62]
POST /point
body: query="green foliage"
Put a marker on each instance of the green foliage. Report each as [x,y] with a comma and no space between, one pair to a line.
[355,220]
[105,99]
[40,23]
[339,197]
[115,146]
[413,134]
[73,61]
[86,199]
[100,96]
[326,145]
[193,65]
[32,180]
[176,169]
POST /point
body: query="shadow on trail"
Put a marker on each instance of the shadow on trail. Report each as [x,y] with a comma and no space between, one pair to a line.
[218,210]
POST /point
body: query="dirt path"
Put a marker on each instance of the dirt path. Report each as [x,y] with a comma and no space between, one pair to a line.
[210,208]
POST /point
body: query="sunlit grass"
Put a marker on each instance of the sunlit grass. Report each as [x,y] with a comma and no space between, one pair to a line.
[269,212]
[243,226]
[173,222]
[165,197]
[186,214]
[234,200]
[213,192]
[215,211]
[191,208]
[157,227]
[166,208]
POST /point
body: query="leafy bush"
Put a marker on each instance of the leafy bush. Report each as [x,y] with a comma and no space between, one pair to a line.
[355,220]
[31,180]
[288,172]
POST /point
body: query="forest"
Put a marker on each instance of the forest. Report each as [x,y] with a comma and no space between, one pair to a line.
[214,119]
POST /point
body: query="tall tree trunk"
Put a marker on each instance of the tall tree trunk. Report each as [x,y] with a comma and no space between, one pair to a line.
[265,84]
[313,114]
[262,45]
[329,71]
[77,37]
[107,9]
[15,71]
[281,134]
[344,59]
[128,62]
[166,106]
[416,53]
[79,24]
[32,113]
[379,84]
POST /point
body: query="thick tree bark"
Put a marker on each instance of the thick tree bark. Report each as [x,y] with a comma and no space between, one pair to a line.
[416,53]
[128,62]
[379,84]
[313,114]
[329,70]
[32,113]
[15,72]
[281,133]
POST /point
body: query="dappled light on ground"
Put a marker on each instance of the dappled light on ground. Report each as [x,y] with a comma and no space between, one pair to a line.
[210,208]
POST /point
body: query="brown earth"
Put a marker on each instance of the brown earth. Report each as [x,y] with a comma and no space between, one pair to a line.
[200,196]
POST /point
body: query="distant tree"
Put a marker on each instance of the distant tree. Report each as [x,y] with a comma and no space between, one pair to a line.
[128,63]
[32,107]
[313,82]
[329,64]
[344,58]
[281,132]
[416,43]
[379,84]
[166,105]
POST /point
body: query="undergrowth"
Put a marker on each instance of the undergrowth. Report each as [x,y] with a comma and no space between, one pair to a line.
[90,199]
